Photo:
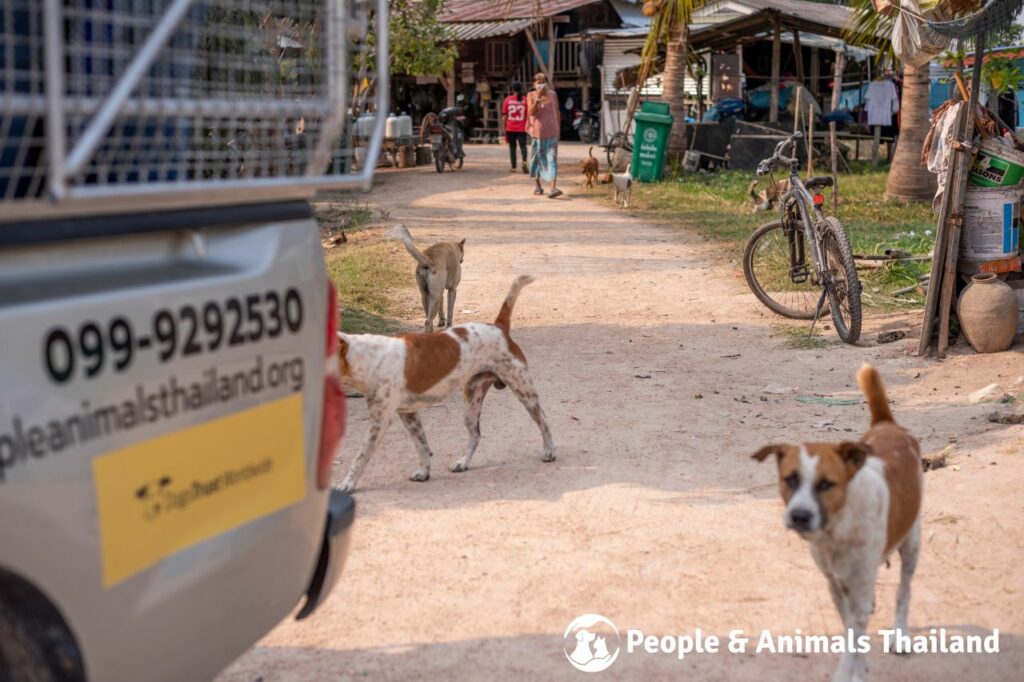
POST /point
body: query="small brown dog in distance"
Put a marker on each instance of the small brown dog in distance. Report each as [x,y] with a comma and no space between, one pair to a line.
[590,168]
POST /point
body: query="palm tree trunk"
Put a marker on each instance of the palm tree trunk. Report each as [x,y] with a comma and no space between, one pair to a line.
[909,180]
[673,83]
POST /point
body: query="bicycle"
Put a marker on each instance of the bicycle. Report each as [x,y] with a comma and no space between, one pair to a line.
[620,140]
[775,259]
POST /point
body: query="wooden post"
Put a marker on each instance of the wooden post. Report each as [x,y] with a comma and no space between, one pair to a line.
[815,72]
[536,54]
[798,55]
[950,220]
[551,52]
[810,139]
[796,116]
[837,88]
[450,86]
[773,112]
[875,144]
[740,74]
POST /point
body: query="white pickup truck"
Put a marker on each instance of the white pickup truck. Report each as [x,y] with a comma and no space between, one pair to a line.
[170,409]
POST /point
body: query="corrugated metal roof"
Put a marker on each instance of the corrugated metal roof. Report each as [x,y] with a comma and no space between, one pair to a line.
[836,16]
[456,11]
[475,30]
[631,12]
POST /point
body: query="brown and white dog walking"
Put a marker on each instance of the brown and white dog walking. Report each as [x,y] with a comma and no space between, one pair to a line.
[856,503]
[402,374]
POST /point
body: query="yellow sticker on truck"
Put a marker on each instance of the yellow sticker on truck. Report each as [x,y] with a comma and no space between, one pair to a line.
[160,496]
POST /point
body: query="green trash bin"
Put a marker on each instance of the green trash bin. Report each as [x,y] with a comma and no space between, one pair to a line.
[653,124]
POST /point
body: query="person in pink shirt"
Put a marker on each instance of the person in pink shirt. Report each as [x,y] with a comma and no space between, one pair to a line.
[543,126]
[514,111]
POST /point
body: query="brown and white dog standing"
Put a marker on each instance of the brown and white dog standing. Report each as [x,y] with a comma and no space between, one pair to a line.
[400,375]
[439,268]
[856,503]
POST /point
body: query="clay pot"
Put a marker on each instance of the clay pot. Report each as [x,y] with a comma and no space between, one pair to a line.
[988,313]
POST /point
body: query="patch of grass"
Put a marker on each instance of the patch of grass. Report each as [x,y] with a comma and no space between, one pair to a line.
[718,207]
[800,337]
[368,274]
[346,215]
[356,321]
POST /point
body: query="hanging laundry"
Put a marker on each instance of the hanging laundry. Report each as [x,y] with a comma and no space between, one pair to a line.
[882,101]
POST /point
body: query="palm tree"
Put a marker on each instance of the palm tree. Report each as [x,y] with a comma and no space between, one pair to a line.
[670,24]
[909,179]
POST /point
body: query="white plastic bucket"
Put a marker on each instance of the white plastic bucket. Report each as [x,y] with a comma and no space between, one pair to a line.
[391,127]
[997,165]
[991,223]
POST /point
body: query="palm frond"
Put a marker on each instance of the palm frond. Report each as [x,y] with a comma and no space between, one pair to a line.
[868,28]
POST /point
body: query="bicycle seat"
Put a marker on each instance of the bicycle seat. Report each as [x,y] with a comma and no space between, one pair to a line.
[819,182]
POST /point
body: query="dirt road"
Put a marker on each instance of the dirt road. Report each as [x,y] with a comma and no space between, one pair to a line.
[660,375]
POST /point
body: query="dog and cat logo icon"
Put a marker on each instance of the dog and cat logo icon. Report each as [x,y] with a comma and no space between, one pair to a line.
[591,643]
[152,496]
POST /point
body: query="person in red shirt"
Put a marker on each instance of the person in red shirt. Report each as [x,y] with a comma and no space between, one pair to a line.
[514,111]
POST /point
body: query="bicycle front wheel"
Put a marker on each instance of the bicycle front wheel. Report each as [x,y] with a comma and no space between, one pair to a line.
[843,283]
[779,272]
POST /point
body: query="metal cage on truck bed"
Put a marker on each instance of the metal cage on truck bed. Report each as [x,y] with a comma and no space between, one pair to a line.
[109,105]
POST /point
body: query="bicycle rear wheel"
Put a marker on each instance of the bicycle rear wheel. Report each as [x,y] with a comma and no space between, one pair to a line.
[618,141]
[779,272]
[844,284]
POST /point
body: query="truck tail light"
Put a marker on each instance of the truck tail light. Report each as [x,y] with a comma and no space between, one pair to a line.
[332,423]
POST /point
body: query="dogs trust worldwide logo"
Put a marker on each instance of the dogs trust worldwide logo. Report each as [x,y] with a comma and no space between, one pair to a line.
[591,643]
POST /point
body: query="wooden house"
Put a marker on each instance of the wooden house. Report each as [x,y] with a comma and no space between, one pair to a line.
[503,41]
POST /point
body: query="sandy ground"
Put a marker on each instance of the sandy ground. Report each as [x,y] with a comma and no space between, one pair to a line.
[652,360]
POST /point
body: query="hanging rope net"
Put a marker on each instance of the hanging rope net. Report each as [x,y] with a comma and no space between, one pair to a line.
[994,15]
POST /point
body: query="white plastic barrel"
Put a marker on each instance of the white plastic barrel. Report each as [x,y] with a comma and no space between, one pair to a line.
[391,127]
[991,223]
[364,125]
[405,125]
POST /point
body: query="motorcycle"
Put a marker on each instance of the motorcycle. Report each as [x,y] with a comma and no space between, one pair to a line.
[447,133]
[587,126]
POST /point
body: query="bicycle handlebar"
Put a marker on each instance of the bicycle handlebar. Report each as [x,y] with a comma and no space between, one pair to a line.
[777,158]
